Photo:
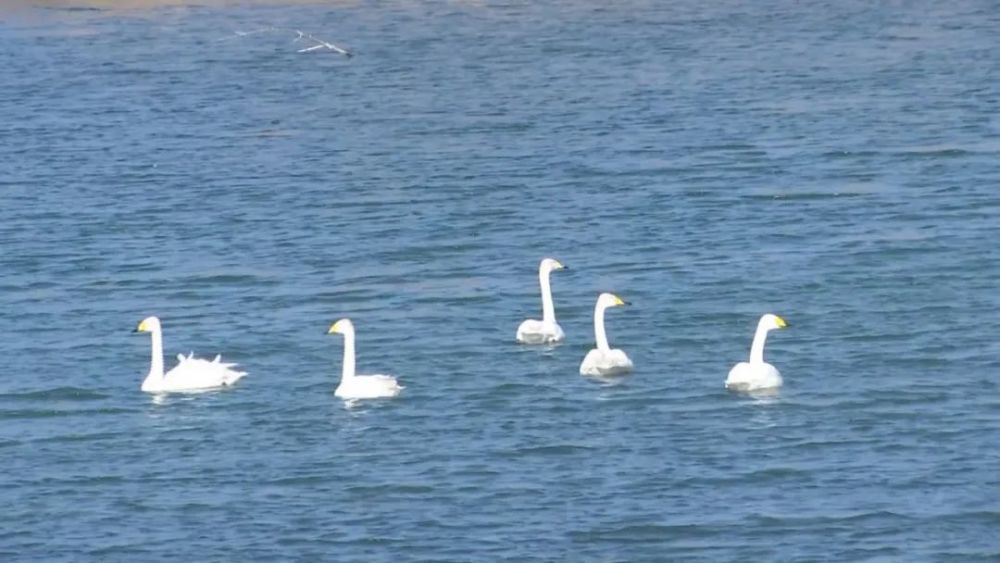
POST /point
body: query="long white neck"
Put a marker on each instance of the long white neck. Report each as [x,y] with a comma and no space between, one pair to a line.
[348,372]
[599,335]
[156,362]
[757,348]
[548,309]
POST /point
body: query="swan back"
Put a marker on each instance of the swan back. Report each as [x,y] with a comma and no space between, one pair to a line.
[190,373]
[533,331]
[197,373]
[606,362]
[753,377]
[368,387]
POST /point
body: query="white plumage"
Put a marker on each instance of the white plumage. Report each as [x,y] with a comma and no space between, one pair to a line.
[547,330]
[604,360]
[757,374]
[190,373]
[353,386]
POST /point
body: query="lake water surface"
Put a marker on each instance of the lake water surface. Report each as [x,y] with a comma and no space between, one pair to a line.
[836,163]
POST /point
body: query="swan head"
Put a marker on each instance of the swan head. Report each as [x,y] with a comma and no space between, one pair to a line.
[771,322]
[149,324]
[550,264]
[610,300]
[343,326]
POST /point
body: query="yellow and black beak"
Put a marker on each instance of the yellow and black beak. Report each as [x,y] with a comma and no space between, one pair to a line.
[782,323]
[619,301]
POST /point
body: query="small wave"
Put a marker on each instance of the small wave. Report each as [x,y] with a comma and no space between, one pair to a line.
[777,473]
[73,8]
[298,480]
[56,393]
[805,196]
[642,533]
[54,413]
[71,438]
[935,152]
[849,154]
[507,389]
[560,449]
[859,517]
[389,488]
[226,278]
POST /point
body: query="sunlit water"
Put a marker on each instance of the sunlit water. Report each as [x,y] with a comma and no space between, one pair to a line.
[832,162]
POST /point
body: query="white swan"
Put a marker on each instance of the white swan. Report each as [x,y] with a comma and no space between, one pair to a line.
[547,330]
[604,360]
[360,386]
[190,373]
[757,374]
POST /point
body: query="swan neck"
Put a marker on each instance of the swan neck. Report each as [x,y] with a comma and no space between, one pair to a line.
[757,348]
[348,371]
[548,309]
[156,362]
[599,335]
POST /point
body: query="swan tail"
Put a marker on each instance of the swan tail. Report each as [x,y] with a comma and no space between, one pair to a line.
[233,376]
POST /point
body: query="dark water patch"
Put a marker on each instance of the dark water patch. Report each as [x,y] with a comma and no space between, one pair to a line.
[547,451]
[806,196]
[55,394]
[391,489]
[14,414]
[933,153]
[71,438]
[852,519]
[643,533]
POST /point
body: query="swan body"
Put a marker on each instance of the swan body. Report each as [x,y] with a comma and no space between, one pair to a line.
[604,360]
[190,373]
[353,386]
[547,330]
[757,374]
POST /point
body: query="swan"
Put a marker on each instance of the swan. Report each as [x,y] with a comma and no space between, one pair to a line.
[190,373]
[605,360]
[547,330]
[360,386]
[757,374]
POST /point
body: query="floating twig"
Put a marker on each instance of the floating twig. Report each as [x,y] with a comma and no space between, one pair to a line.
[300,35]
[320,44]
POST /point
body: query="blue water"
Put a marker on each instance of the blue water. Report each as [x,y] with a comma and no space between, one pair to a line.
[836,163]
